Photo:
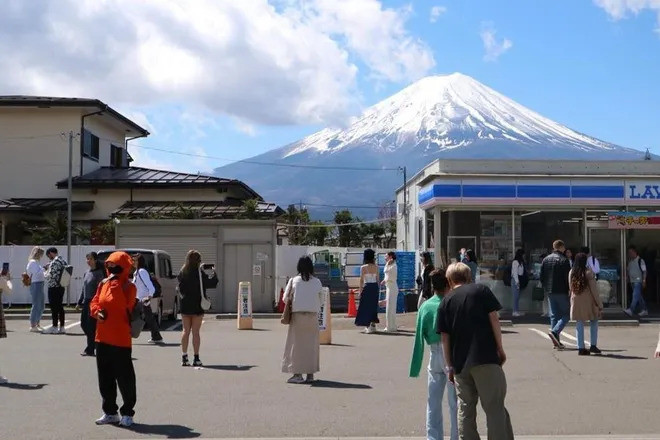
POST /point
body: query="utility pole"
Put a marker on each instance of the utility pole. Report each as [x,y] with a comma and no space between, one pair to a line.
[69,209]
[405,210]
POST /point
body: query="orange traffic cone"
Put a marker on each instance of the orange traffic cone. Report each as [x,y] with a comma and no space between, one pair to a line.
[280,304]
[352,311]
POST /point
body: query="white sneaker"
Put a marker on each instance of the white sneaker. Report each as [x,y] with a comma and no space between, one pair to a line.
[644,313]
[50,331]
[628,312]
[61,331]
[3,380]
[126,421]
[35,329]
[40,328]
[108,419]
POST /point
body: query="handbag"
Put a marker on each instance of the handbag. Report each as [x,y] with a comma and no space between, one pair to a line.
[205,303]
[26,279]
[538,294]
[137,319]
[288,307]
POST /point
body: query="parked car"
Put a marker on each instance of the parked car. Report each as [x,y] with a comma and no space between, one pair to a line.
[159,265]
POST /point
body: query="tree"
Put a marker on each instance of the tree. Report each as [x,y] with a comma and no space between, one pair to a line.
[294,217]
[351,234]
[317,234]
[54,230]
[387,213]
[250,207]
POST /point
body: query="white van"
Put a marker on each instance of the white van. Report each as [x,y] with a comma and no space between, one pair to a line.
[159,264]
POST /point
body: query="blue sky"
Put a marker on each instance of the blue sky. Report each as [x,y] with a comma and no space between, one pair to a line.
[592,65]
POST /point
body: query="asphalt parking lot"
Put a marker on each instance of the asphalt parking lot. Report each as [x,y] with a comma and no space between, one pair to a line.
[363,388]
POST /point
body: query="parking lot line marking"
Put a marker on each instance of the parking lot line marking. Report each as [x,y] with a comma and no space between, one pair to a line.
[575,339]
[49,326]
[543,335]
[72,325]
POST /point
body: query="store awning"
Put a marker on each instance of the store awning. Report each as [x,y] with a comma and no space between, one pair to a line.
[195,209]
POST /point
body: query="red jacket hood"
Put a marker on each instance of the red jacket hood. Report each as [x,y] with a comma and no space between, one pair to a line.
[123,260]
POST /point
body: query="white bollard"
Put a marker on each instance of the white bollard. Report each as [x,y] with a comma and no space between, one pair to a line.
[325,319]
[244,315]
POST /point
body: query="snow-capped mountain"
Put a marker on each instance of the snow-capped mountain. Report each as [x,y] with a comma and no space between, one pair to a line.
[451,116]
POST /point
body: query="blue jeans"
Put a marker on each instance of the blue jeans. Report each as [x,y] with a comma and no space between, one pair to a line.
[638,298]
[560,309]
[437,383]
[38,302]
[593,333]
[515,288]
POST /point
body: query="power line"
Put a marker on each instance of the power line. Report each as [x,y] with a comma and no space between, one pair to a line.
[385,205]
[338,225]
[254,162]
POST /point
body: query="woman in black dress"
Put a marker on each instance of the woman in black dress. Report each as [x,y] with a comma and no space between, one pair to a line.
[367,313]
[191,303]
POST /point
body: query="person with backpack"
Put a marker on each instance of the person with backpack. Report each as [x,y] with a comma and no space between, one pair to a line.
[586,304]
[424,280]
[145,293]
[112,307]
[637,278]
[554,279]
[34,278]
[519,280]
[54,275]
[592,262]
[91,281]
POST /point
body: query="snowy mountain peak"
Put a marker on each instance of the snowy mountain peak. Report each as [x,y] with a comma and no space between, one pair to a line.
[446,112]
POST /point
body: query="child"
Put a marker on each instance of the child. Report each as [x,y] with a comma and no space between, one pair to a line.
[426,332]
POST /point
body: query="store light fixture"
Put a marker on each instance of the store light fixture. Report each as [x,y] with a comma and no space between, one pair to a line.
[530,213]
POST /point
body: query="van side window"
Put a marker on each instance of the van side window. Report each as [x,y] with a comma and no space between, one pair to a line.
[168,268]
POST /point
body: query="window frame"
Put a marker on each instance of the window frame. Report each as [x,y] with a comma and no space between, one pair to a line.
[90,137]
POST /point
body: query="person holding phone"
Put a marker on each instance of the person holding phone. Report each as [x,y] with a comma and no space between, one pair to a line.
[145,293]
[111,307]
[190,291]
[35,274]
[91,281]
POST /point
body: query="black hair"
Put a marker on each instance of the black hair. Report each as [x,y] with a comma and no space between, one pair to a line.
[369,257]
[426,259]
[305,268]
[94,256]
[471,255]
[392,255]
[51,250]
[585,250]
[632,247]
[520,256]
[141,261]
[439,281]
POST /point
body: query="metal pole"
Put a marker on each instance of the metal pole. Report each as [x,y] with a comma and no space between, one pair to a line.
[405,210]
[69,208]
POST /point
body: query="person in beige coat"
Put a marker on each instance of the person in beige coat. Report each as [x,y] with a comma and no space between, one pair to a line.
[585,304]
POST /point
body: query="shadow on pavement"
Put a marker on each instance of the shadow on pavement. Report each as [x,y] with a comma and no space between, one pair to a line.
[339,385]
[168,431]
[257,330]
[509,332]
[398,333]
[23,386]
[229,367]
[160,344]
[338,345]
[621,356]
[74,334]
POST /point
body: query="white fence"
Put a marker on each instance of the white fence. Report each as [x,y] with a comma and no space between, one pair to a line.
[17,257]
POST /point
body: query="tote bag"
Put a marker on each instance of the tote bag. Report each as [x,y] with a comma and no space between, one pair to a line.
[205,303]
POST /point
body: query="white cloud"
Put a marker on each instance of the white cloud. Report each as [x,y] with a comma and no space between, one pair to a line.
[494,48]
[436,12]
[278,62]
[620,9]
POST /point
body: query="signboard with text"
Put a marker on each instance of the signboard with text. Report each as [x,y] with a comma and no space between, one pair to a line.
[245,300]
[634,220]
[323,312]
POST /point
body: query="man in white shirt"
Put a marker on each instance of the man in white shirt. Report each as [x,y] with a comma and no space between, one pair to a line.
[592,262]
[637,278]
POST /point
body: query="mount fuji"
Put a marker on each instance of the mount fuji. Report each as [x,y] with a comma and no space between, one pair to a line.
[450,117]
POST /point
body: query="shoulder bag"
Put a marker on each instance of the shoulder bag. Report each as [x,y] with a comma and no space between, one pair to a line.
[205,303]
[288,307]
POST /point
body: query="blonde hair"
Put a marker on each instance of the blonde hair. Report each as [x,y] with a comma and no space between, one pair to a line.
[459,273]
[36,253]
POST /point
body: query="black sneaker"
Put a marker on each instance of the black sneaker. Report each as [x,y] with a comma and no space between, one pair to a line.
[197,362]
[554,337]
[184,361]
[583,352]
[595,350]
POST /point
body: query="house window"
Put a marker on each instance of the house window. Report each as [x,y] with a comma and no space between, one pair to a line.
[90,145]
[118,157]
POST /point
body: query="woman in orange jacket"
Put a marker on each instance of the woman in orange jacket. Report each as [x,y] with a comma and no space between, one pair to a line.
[111,307]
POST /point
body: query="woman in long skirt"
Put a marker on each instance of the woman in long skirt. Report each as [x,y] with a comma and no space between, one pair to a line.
[391,292]
[367,314]
[301,353]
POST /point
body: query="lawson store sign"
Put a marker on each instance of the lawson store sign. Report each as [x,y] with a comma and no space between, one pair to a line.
[539,192]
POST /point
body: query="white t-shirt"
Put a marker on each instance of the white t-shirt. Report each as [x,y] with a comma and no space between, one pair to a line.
[593,264]
[306,294]
[142,280]
[517,270]
[35,271]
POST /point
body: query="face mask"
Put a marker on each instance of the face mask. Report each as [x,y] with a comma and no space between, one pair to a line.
[115,270]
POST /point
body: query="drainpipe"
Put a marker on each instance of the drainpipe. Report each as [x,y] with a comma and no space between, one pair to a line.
[82,130]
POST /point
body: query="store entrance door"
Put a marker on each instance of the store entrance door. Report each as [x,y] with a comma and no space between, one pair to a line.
[607,246]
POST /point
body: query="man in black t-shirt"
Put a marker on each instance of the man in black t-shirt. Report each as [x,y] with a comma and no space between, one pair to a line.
[472,345]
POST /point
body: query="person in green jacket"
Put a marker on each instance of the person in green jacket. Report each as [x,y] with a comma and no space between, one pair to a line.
[437,381]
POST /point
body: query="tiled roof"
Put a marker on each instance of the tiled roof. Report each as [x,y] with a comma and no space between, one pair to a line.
[50,101]
[137,177]
[193,209]
[43,205]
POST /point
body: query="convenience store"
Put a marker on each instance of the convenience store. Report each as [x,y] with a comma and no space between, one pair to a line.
[496,207]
